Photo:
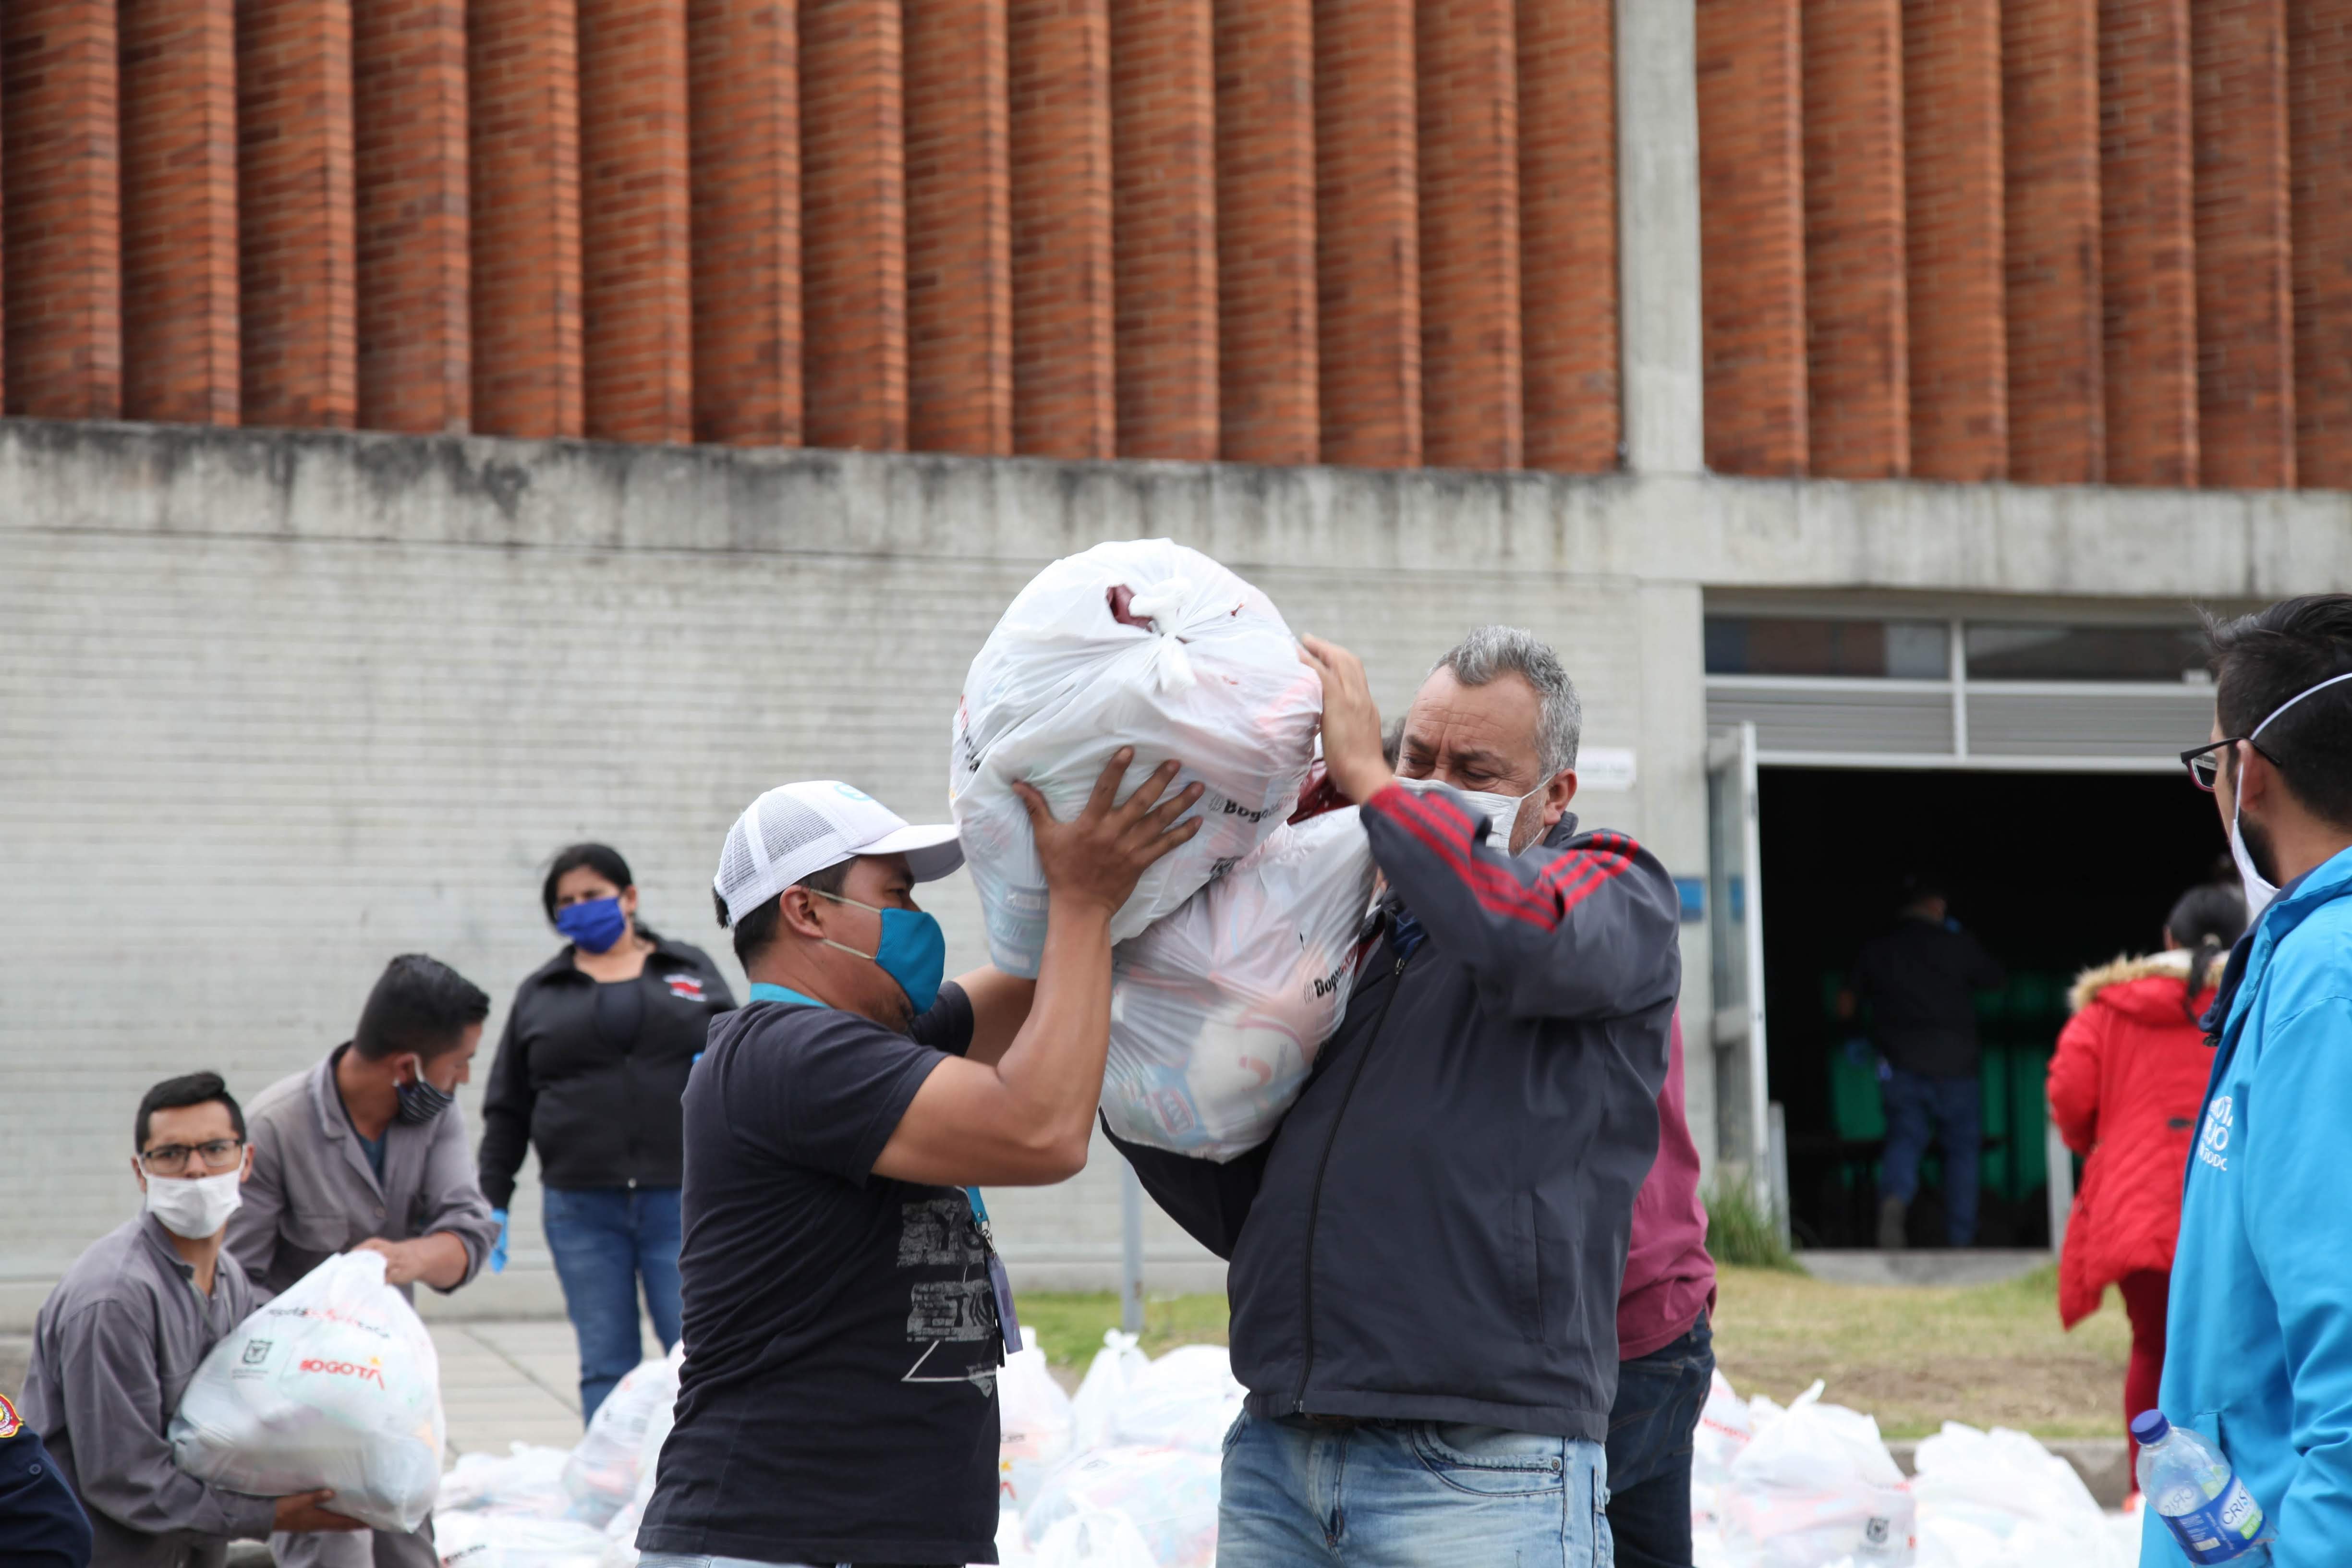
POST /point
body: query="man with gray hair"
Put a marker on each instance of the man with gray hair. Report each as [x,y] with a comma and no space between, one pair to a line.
[1426,1257]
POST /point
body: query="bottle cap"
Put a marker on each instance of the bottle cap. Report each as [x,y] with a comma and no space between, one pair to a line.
[2149,1427]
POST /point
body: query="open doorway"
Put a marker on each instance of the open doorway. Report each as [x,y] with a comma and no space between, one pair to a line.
[2052,871]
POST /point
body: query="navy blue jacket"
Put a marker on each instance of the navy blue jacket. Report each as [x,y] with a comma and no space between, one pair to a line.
[41,1521]
[1437,1230]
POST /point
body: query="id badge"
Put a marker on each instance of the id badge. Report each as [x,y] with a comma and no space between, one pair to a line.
[1006,1317]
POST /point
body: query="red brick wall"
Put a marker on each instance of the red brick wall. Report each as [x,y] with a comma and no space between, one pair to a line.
[2049,90]
[297,243]
[178,84]
[959,229]
[744,182]
[1953,198]
[1164,227]
[1857,337]
[1064,382]
[2245,311]
[415,364]
[1752,236]
[1568,235]
[523,103]
[2149,247]
[2319,98]
[636,290]
[1267,395]
[1368,241]
[61,271]
[1467,61]
[853,224]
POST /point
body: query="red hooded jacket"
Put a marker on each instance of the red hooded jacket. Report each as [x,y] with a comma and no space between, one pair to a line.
[2125,1088]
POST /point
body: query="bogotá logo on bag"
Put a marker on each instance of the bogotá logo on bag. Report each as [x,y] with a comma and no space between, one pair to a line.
[373,1371]
[2214,1143]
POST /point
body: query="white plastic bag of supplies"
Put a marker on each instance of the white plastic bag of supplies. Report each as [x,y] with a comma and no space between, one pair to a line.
[1724,1428]
[1093,1538]
[621,1530]
[527,1480]
[1217,1011]
[1170,1495]
[468,1540]
[1117,1365]
[1814,1485]
[334,1383]
[1139,643]
[1186,1399]
[1034,1421]
[601,1474]
[2000,1500]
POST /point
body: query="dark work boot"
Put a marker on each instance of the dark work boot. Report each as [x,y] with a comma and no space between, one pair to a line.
[1891,1237]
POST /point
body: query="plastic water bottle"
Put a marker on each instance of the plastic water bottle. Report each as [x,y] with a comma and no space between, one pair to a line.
[2189,1485]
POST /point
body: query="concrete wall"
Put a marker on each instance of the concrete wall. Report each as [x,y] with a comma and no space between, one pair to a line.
[277,706]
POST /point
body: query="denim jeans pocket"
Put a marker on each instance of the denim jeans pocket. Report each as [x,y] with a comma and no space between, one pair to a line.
[1489,1460]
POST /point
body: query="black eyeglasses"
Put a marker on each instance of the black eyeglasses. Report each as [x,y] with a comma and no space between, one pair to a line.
[2204,763]
[170,1159]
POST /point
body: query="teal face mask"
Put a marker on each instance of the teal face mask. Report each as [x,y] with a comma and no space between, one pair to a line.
[914,951]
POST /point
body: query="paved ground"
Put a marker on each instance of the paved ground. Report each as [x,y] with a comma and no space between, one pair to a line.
[505,1383]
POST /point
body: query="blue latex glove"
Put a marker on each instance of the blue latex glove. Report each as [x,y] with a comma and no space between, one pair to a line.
[499,1247]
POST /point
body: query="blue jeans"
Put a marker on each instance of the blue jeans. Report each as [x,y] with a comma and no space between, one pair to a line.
[1409,1494]
[1956,1107]
[1659,1396]
[605,1240]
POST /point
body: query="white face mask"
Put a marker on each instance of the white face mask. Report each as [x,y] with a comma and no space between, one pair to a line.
[196,1207]
[2259,888]
[1501,811]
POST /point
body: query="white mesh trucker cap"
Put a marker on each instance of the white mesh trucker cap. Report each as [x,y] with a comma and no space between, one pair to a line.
[797,829]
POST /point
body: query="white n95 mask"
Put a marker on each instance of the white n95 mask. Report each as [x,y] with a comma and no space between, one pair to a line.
[193,1208]
[1501,811]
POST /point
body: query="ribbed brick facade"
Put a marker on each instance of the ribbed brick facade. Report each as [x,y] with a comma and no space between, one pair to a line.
[744,158]
[2320,106]
[296,242]
[2148,244]
[415,351]
[1568,235]
[959,229]
[1856,311]
[178,86]
[523,103]
[2049,98]
[1953,216]
[1267,374]
[1467,63]
[1752,236]
[62,267]
[1163,104]
[853,224]
[1368,233]
[636,290]
[1065,391]
[2245,311]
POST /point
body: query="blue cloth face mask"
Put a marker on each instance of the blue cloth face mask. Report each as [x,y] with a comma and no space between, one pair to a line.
[592,924]
[914,951]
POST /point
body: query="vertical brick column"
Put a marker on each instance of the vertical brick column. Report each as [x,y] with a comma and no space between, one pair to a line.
[2319,101]
[1952,227]
[637,288]
[1368,233]
[58,149]
[179,210]
[1752,236]
[296,242]
[1568,235]
[1164,227]
[2245,300]
[1467,61]
[1064,391]
[853,224]
[2049,98]
[523,101]
[1268,403]
[2148,252]
[416,332]
[1856,309]
[744,149]
[959,229]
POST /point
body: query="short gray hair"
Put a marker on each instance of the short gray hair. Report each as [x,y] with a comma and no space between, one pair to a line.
[1490,651]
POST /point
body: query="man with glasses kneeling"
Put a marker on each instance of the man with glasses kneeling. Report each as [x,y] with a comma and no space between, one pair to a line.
[124,1331]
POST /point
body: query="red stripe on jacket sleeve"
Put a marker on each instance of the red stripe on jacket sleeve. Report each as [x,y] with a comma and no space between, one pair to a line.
[1495,889]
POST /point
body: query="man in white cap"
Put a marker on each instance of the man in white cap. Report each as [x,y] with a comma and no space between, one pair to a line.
[843,1309]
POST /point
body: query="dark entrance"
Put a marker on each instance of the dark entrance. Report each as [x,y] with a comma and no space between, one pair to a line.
[2052,871]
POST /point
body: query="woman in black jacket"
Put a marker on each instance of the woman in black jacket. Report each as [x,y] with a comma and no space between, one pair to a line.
[594,1058]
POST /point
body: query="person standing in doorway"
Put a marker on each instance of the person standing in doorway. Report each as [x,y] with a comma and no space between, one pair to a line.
[589,1072]
[2124,1086]
[1919,982]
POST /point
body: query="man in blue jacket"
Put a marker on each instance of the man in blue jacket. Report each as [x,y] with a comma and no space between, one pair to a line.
[2259,1358]
[1426,1257]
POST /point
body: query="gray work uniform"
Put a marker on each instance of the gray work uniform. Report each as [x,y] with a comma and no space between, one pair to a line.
[313,1195]
[113,1349]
